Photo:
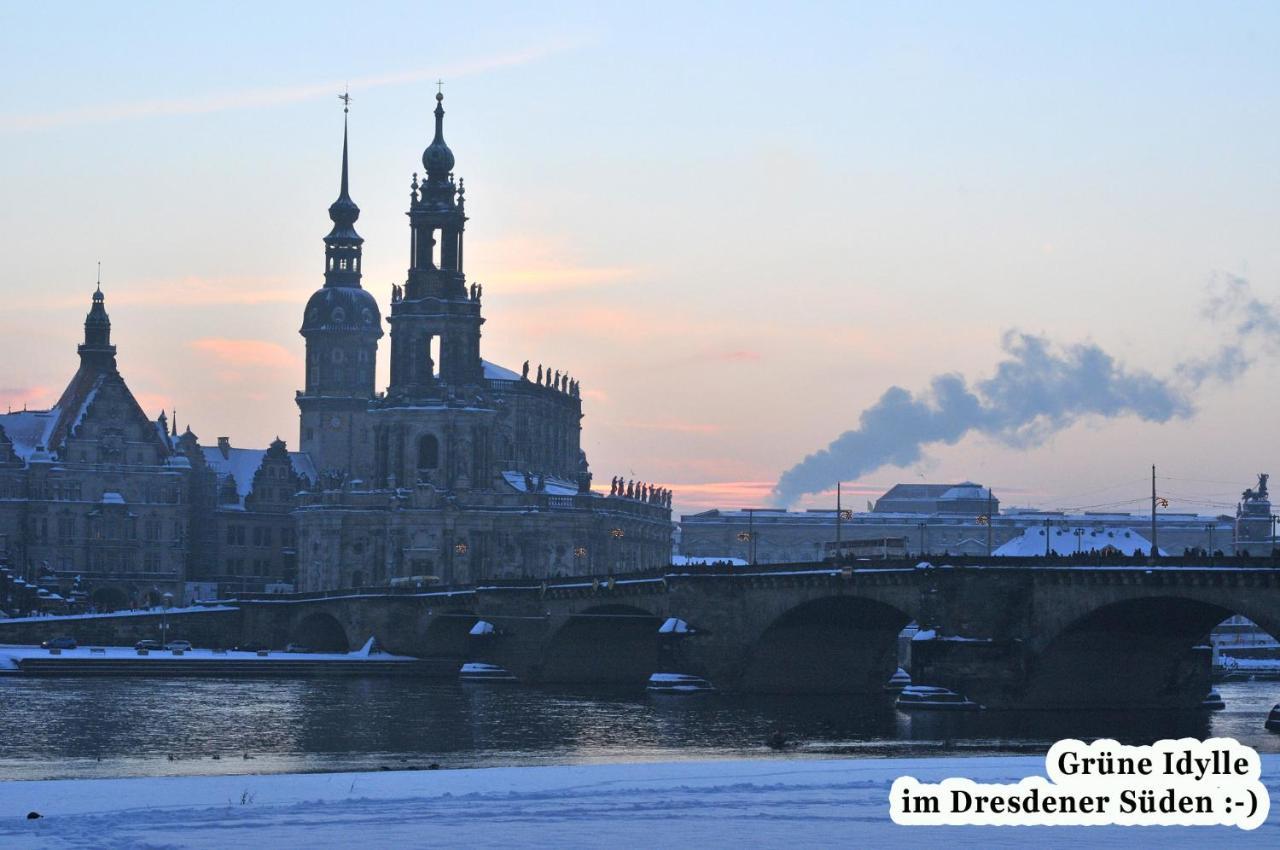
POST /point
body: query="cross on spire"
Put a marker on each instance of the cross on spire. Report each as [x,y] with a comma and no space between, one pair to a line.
[345,97]
[439,86]
[99,275]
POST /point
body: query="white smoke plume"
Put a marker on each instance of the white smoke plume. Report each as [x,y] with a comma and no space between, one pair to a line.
[1036,391]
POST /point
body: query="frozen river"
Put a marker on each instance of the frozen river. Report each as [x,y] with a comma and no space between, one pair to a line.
[64,728]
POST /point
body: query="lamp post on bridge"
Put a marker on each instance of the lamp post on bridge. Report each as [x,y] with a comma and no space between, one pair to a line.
[1079,533]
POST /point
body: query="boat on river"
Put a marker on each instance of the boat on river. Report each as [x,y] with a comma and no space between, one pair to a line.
[680,684]
[930,698]
[478,671]
[178,663]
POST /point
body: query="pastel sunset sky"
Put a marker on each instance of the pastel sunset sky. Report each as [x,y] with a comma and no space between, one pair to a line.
[737,225]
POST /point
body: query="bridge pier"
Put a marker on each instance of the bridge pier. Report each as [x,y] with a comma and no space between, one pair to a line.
[1004,675]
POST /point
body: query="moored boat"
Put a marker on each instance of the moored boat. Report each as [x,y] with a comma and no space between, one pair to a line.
[1273,719]
[180,662]
[678,683]
[930,698]
[475,671]
[1213,701]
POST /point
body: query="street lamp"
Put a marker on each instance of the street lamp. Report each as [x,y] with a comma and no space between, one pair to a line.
[616,534]
[166,600]
[1079,533]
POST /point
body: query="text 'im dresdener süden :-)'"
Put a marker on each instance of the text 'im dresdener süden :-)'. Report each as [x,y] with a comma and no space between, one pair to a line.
[1169,783]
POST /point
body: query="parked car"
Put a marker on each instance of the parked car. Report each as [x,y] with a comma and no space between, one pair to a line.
[147,644]
[296,647]
[183,645]
[60,642]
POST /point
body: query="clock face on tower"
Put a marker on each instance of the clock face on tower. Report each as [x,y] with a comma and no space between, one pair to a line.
[335,423]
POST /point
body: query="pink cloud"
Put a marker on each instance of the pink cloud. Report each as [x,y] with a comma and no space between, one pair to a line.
[35,398]
[245,352]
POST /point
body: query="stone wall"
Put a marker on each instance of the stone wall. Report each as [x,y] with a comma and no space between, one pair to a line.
[218,627]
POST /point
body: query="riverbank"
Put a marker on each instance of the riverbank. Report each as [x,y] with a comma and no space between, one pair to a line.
[731,803]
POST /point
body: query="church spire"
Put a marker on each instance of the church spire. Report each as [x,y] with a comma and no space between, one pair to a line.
[342,246]
[437,158]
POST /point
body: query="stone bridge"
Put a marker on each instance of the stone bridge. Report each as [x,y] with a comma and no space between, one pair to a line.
[1044,635]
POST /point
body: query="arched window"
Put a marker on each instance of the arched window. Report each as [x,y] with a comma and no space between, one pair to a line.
[428,452]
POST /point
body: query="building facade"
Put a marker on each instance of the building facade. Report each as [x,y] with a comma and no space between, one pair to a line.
[92,494]
[461,470]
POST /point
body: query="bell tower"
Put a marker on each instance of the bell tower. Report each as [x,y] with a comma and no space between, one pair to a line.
[341,326]
[435,311]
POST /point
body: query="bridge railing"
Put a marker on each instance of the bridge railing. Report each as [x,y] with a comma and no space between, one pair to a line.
[724,569]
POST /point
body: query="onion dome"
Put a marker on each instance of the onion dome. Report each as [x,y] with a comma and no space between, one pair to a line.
[437,158]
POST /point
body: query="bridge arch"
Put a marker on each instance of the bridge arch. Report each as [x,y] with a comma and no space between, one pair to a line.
[321,632]
[1146,650]
[448,635]
[603,644]
[831,644]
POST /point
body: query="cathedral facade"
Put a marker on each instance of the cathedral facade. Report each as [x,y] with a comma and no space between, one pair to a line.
[461,470]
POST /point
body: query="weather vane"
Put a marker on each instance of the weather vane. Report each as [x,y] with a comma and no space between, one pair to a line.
[345,97]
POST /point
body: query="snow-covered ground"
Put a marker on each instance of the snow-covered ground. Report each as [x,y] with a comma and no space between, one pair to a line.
[10,654]
[780,802]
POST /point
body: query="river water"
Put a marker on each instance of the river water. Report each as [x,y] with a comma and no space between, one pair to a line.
[64,728]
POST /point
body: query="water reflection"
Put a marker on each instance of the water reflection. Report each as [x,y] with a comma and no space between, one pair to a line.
[105,727]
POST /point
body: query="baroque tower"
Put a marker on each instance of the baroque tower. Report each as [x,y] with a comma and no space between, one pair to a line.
[435,321]
[342,327]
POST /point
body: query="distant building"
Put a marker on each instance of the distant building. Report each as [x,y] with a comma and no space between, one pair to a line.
[965,519]
[92,494]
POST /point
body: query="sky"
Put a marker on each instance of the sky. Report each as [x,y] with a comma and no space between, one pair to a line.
[738,225]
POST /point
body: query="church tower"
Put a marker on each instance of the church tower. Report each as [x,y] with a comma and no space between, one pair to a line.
[341,326]
[435,320]
[97,353]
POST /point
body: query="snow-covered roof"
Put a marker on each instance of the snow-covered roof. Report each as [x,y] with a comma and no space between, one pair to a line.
[965,491]
[243,465]
[1063,541]
[494,372]
[28,429]
[551,485]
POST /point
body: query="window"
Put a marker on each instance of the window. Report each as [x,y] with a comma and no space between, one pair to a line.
[428,452]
